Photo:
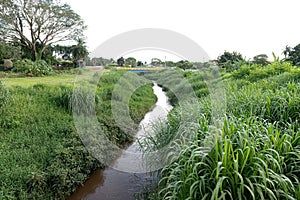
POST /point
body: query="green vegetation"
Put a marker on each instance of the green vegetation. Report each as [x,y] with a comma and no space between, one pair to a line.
[292,55]
[230,61]
[28,67]
[65,79]
[255,154]
[56,22]
[42,156]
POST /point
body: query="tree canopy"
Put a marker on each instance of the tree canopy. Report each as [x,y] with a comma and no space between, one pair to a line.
[130,61]
[37,24]
[230,61]
[121,61]
[261,59]
[292,55]
[8,51]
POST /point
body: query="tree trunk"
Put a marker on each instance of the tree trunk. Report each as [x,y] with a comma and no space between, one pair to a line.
[38,55]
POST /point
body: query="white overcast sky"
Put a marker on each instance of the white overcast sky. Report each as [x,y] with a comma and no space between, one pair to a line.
[250,27]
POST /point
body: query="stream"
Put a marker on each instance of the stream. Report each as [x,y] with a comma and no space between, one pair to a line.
[119,181]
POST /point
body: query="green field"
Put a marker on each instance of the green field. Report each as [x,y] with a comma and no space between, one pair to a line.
[63,79]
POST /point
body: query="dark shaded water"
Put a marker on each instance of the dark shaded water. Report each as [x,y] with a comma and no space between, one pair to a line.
[124,179]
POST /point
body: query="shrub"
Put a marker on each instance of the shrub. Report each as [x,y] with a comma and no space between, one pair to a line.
[37,68]
[8,64]
[257,72]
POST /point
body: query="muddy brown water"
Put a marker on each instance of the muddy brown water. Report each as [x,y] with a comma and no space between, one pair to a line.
[125,180]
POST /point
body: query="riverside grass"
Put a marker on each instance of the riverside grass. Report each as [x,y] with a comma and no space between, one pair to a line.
[42,156]
[254,155]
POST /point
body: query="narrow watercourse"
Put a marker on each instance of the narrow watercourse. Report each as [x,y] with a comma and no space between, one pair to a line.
[113,183]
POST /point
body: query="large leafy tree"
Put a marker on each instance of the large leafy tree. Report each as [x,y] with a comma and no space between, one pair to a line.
[37,24]
[130,61]
[230,61]
[184,64]
[292,55]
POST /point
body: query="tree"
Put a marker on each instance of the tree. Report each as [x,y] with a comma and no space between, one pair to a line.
[230,61]
[130,61]
[140,64]
[36,24]
[79,51]
[156,62]
[261,59]
[170,64]
[184,64]
[121,61]
[292,55]
[101,61]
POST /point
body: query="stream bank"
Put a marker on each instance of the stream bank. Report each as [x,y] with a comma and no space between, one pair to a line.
[125,179]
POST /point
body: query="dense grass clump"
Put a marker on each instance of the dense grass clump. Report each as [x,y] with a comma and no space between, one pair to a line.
[253,154]
[4,94]
[42,155]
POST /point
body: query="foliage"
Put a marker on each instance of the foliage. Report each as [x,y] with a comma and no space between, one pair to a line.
[292,54]
[9,51]
[101,61]
[156,62]
[42,156]
[230,61]
[32,68]
[130,61]
[255,154]
[170,64]
[121,61]
[261,59]
[79,51]
[184,64]
[8,64]
[257,72]
[201,65]
[139,64]
[46,22]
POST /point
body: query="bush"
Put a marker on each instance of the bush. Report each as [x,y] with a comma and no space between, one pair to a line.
[8,64]
[257,72]
[37,68]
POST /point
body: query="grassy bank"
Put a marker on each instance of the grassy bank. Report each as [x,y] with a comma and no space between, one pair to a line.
[255,154]
[42,156]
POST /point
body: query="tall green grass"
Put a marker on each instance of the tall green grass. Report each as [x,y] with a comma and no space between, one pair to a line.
[255,154]
[42,156]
